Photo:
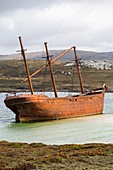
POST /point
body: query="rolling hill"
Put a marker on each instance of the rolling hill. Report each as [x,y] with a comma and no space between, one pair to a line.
[84,55]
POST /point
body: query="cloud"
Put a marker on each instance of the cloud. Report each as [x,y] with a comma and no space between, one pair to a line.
[85,23]
[25,4]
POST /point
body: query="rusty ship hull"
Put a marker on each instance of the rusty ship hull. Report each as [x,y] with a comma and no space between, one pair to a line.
[40,107]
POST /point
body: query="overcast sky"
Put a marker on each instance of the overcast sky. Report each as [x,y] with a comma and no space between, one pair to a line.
[87,24]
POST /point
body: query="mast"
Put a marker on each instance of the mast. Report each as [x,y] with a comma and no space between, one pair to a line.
[52,61]
[78,69]
[26,67]
[51,72]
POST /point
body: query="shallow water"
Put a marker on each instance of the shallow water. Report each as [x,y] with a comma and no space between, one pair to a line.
[77,130]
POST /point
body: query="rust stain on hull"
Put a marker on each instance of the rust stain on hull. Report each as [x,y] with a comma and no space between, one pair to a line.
[40,107]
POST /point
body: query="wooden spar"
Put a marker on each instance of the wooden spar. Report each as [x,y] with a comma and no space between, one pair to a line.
[26,67]
[47,64]
[78,69]
[51,72]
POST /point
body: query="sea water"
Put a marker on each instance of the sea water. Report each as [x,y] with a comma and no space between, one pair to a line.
[88,129]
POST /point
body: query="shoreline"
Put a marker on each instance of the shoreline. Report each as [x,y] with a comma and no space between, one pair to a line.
[14,92]
[19,91]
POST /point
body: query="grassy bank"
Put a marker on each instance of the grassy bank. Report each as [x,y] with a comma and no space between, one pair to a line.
[13,73]
[68,157]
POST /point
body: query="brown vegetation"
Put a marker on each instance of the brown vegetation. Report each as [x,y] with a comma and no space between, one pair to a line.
[40,156]
[13,72]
